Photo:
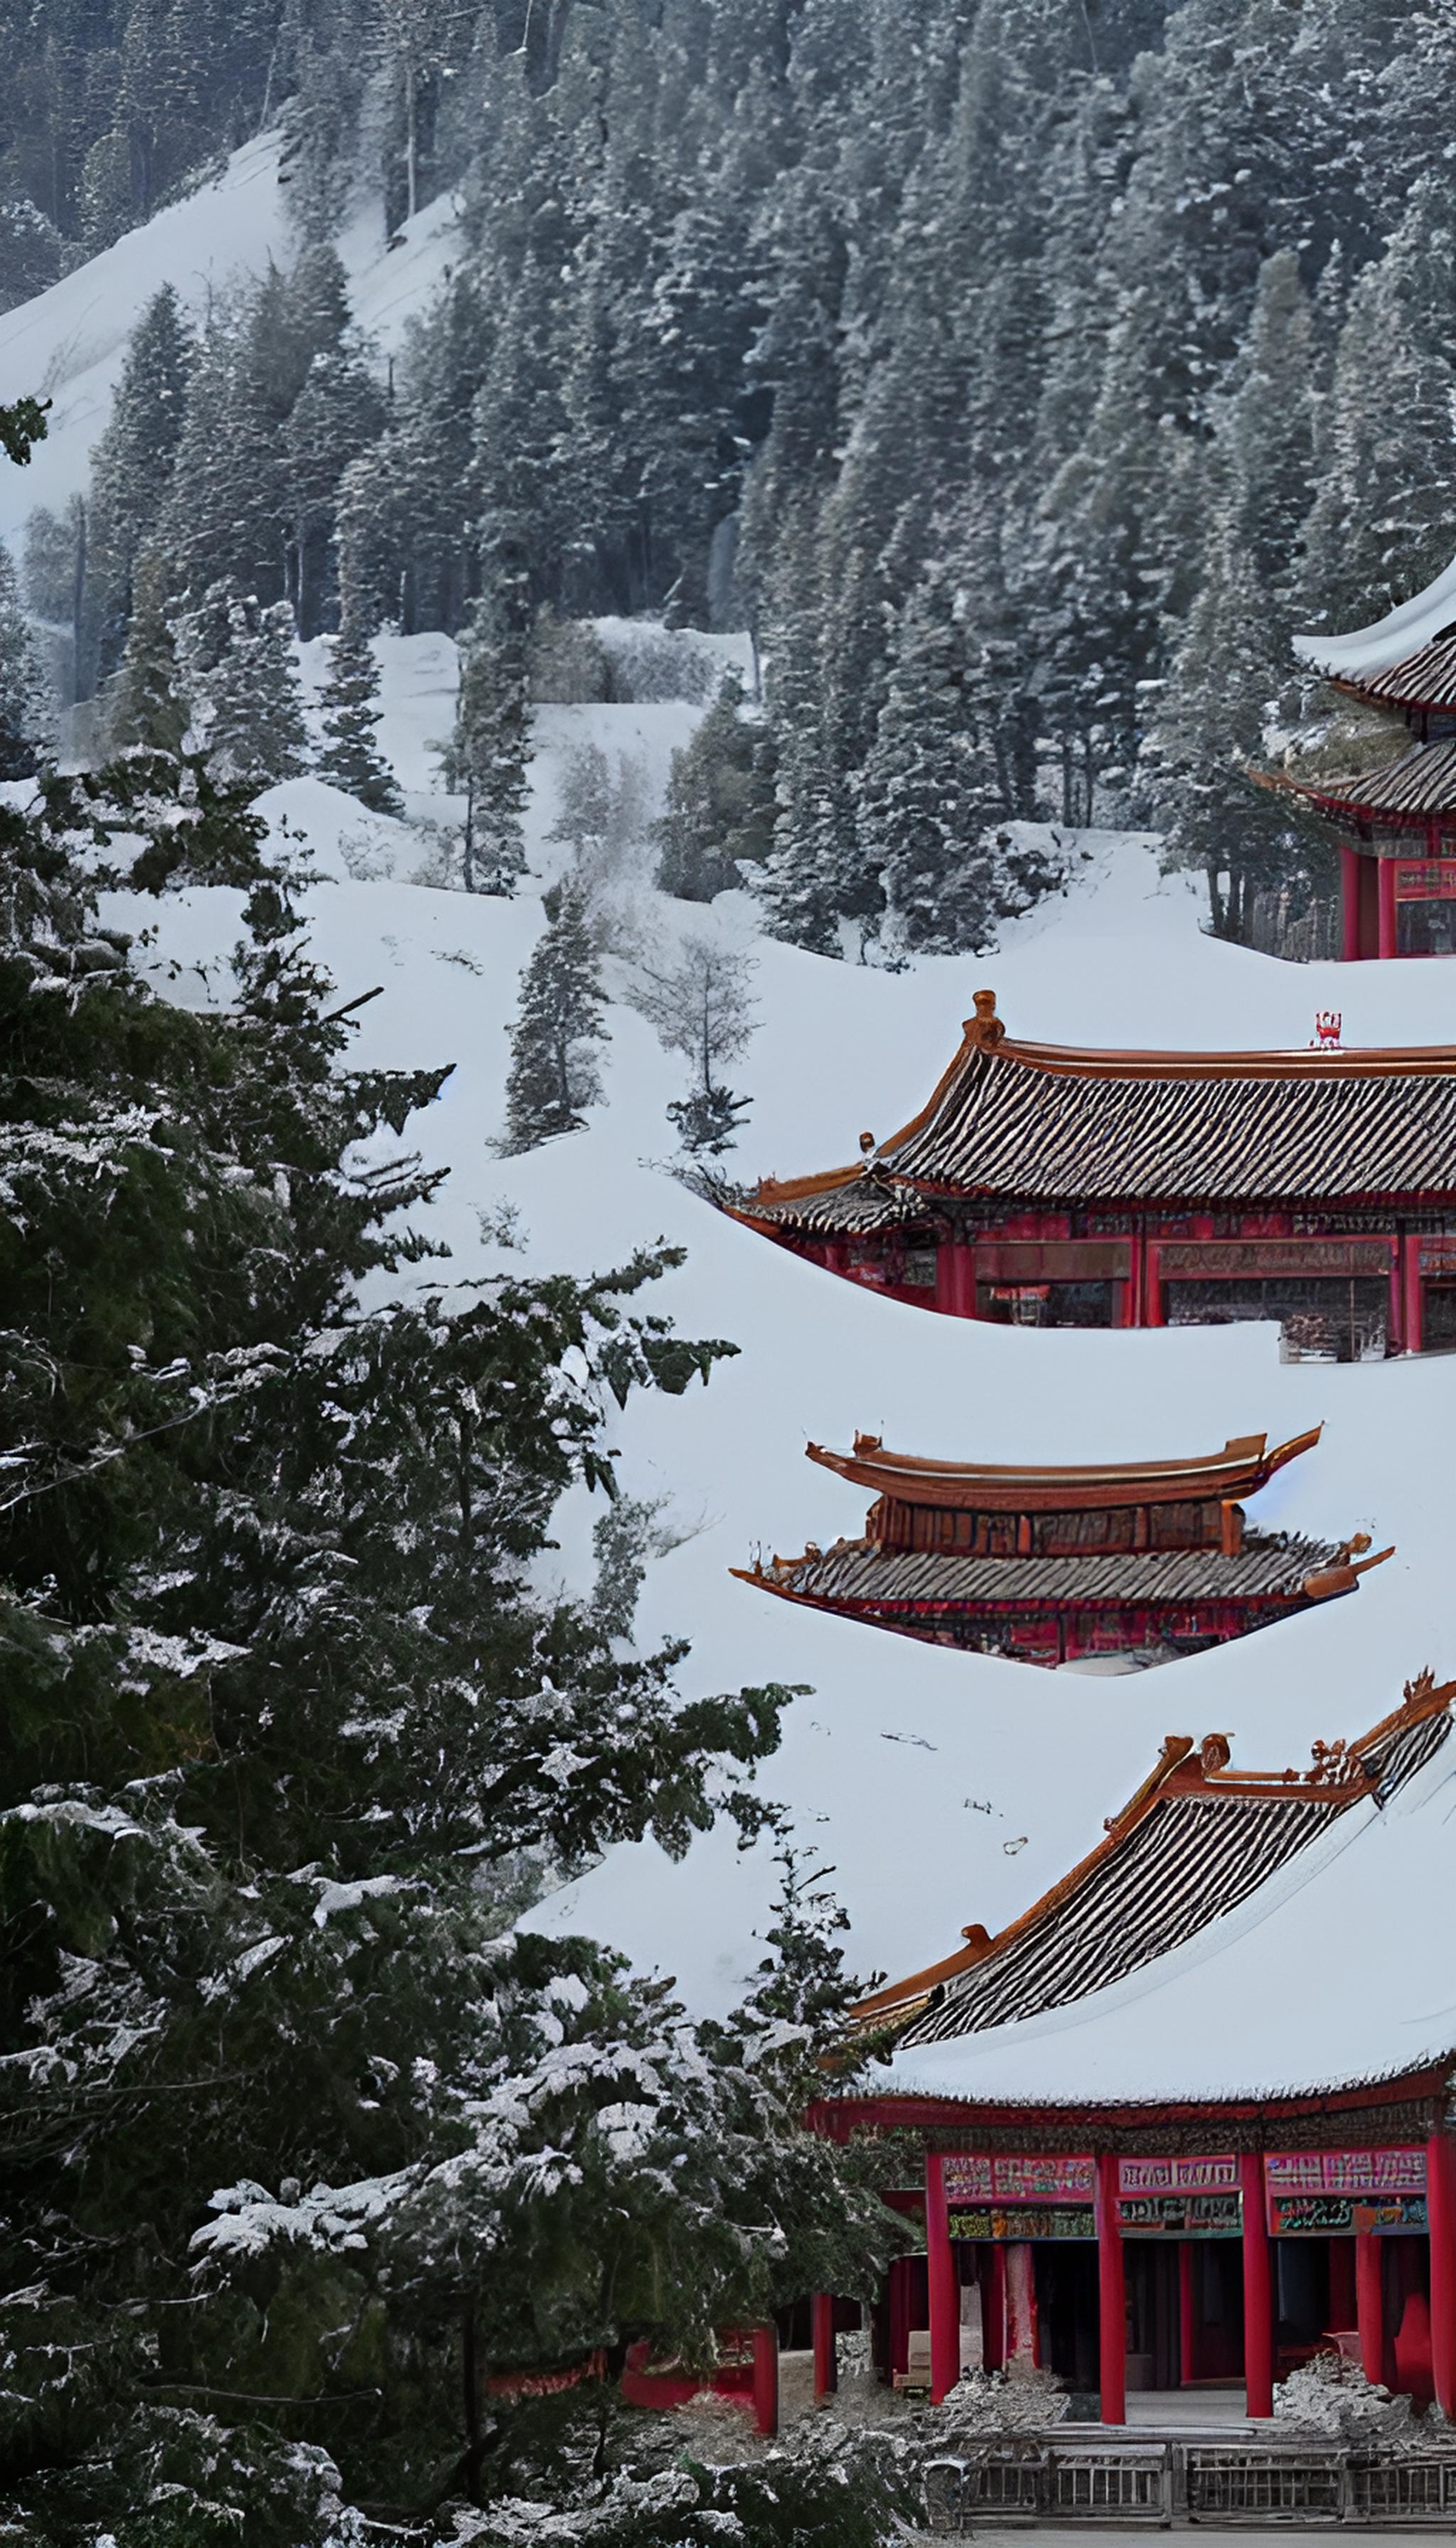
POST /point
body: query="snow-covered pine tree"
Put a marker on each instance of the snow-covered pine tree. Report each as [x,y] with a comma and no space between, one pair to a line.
[27,719]
[240,677]
[486,761]
[929,795]
[290,1739]
[337,415]
[1379,525]
[145,707]
[350,756]
[131,473]
[558,1032]
[719,803]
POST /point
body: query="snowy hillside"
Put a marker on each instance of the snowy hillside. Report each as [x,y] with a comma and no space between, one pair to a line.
[941,1789]
[68,343]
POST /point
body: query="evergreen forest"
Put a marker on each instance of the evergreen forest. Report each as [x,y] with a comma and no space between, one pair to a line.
[1021,373]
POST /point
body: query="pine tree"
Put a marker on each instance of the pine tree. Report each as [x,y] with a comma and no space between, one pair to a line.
[144,706]
[350,756]
[26,720]
[132,470]
[284,2093]
[929,796]
[486,761]
[719,802]
[337,418]
[1379,525]
[558,1030]
[239,674]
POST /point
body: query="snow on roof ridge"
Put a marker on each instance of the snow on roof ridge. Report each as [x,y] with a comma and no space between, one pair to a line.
[962,2057]
[1403,631]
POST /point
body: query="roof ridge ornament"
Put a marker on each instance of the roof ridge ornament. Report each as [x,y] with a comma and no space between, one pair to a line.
[985,1028]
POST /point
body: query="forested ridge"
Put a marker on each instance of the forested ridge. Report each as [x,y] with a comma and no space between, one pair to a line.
[1021,371]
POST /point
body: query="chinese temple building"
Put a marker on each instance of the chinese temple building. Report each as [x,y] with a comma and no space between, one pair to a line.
[1150,1558]
[1188,2120]
[1052,1185]
[1395,819]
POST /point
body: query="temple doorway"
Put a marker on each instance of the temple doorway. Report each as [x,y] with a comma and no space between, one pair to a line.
[1066,2310]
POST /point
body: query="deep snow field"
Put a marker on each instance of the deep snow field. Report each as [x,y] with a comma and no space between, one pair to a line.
[941,1789]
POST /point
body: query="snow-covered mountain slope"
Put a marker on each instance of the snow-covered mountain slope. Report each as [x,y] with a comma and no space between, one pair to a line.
[941,1789]
[68,343]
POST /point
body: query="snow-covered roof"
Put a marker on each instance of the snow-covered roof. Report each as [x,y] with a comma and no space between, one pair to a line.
[1403,631]
[1087,1125]
[1334,1972]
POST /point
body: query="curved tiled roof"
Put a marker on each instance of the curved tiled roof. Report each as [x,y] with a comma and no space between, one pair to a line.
[1406,792]
[1426,678]
[1196,1840]
[858,1575]
[1052,1124]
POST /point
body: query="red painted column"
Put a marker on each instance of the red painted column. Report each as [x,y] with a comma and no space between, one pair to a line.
[1349,903]
[1258,2293]
[1390,944]
[1187,2325]
[1440,2196]
[1152,1281]
[993,2313]
[1112,2295]
[1129,1294]
[765,2379]
[826,2360]
[943,2284]
[964,1279]
[1415,1303]
[1370,2305]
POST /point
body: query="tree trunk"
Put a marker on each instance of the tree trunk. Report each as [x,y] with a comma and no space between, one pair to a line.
[467,836]
[471,2403]
[80,682]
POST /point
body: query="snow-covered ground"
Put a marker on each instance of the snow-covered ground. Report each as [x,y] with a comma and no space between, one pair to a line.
[941,1789]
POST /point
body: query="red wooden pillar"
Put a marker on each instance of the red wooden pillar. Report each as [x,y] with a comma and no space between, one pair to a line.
[1153,1285]
[1349,903]
[993,2313]
[1415,1306]
[1128,1311]
[1389,943]
[941,2282]
[1370,2305]
[1258,2294]
[1440,2196]
[765,2379]
[1112,2295]
[956,1278]
[826,2359]
[1187,2324]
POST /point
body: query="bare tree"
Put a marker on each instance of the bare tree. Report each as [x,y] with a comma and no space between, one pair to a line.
[700,1007]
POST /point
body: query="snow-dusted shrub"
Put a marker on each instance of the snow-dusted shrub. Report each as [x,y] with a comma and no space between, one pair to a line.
[647,661]
[1332,2396]
[825,2485]
[984,2404]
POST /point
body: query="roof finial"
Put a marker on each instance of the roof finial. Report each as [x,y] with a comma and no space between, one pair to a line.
[985,1028]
